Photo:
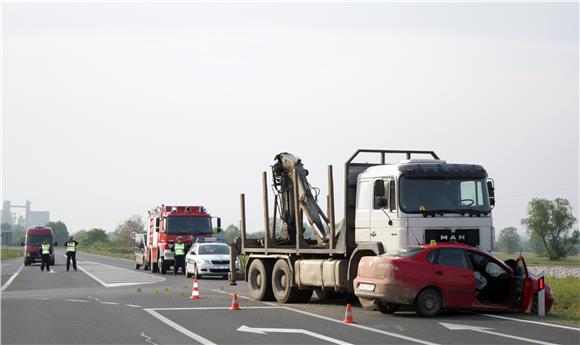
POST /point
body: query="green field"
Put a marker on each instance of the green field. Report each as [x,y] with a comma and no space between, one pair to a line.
[534,259]
[566,300]
[11,253]
[107,250]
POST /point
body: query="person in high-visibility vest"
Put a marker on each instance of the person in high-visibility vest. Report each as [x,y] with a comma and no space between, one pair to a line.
[45,251]
[71,253]
[179,255]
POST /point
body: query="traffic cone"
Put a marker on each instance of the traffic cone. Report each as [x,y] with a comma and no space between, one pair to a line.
[348,315]
[235,305]
[195,290]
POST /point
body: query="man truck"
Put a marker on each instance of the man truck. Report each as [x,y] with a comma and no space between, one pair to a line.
[164,225]
[387,205]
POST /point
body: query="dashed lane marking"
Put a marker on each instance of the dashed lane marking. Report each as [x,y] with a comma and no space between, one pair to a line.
[133,306]
[11,279]
[77,300]
[111,303]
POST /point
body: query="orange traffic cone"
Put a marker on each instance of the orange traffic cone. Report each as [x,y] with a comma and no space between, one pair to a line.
[195,290]
[235,305]
[348,315]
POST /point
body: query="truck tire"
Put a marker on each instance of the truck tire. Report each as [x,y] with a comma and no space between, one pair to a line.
[260,280]
[154,267]
[282,283]
[429,302]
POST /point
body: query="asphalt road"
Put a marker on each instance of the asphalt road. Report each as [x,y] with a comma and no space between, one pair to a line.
[108,302]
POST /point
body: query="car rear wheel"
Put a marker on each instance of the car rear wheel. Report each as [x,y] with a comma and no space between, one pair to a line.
[428,303]
[387,308]
[367,304]
[260,280]
[187,274]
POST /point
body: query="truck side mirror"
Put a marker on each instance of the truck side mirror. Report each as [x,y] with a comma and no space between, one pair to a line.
[491,192]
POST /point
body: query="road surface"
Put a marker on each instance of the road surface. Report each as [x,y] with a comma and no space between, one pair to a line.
[108,302]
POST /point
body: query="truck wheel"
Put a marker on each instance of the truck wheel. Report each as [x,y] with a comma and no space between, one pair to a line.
[387,308]
[282,283]
[137,266]
[162,266]
[146,267]
[154,267]
[260,280]
[428,303]
[367,304]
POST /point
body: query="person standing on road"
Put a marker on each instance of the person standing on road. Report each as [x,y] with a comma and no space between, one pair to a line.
[71,253]
[45,252]
[179,255]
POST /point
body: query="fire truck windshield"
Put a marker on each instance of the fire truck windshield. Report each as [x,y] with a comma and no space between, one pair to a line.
[423,195]
[189,225]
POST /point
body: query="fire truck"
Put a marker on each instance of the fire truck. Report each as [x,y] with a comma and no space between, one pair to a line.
[165,224]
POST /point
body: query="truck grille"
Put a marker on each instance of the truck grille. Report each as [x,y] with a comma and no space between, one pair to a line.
[220,262]
[467,236]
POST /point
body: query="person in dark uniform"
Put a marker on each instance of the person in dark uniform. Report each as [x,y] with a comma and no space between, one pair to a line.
[45,252]
[179,256]
[71,253]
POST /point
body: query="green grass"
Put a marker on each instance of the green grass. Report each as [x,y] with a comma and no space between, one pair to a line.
[122,252]
[534,259]
[566,306]
[11,253]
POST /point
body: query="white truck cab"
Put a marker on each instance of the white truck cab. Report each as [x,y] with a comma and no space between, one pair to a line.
[420,200]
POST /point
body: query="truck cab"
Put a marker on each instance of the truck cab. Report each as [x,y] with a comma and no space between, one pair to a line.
[421,200]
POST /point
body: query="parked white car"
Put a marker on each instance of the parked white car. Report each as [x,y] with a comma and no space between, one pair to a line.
[208,259]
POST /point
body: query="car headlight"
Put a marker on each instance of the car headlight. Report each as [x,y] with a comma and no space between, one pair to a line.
[202,261]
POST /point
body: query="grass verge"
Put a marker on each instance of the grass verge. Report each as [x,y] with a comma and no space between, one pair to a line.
[566,306]
[11,253]
[534,259]
[115,251]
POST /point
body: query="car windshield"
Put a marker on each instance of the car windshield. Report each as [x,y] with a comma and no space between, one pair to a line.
[38,239]
[210,249]
[405,252]
[465,196]
[189,225]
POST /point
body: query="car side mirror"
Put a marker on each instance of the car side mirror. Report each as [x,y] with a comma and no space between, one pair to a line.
[491,192]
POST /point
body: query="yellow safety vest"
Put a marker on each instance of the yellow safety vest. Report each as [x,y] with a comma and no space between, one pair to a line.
[180,249]
[45,249]
[71,246]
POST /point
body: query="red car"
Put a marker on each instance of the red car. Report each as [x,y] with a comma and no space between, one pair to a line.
[446,276]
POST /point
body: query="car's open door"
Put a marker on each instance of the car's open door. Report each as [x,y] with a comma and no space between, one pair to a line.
[522,287]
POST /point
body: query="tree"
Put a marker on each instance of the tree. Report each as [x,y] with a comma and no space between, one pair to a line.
[509,240]
[95,236]
[60,231]
[552,222]
[230,233]
[133,223]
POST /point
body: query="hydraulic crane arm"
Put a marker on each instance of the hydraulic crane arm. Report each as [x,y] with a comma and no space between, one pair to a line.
[283,171]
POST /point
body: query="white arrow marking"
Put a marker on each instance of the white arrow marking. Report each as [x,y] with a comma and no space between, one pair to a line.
[291,330]
[457,327]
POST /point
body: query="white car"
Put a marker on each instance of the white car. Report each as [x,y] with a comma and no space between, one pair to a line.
[208,259]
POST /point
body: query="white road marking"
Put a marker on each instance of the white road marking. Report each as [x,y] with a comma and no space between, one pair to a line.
[229,293]
[534,322]
[395,335]
[11,279]
[215,308]
[133,306]
[458,327]
[77,300]
[112,303]
[147,339]
[180,328]
[291,330]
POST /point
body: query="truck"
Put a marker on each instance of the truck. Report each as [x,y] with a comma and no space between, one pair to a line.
[164,224]
[32,241]
[388,204]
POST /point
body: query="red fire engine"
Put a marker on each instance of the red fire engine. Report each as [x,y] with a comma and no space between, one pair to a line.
[165,224]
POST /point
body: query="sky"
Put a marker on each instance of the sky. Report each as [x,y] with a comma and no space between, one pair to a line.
[109,110]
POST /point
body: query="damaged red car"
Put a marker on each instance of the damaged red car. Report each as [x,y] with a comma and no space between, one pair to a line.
[446,276]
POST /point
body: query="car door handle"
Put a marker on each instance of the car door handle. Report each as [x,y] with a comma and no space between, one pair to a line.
[439,273]
[373,234]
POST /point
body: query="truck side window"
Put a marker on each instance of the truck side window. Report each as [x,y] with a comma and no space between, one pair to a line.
[392,201]
[379,194]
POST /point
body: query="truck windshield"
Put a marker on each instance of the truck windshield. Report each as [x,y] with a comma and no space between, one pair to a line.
[38,239]
[189,225]
[433,196]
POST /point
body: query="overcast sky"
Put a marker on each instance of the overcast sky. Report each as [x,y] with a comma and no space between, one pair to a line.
[111,109]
